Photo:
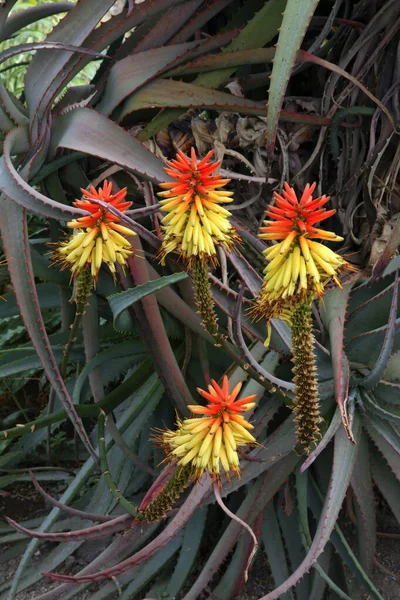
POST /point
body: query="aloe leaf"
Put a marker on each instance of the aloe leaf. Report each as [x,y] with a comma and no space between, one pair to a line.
[274,549]
[246,272]
[224,60]
[371,314]
[139,408]
[132,72]
[20,360]
[296,19]
[35,46]
[343,462]
[333,311]
[161,93]
[260,493]
[163,29]
[190,545]
[23,18]
[361,483]
[155,337]
[388,452]
[150,569]
[291,534]
[5,8]
[387,484]
[16,245]
[14,112]
[365,348]
[187,509]
[42,76]
[388,412]
[86,130]
[379,367]
[389,432]
[392,371]
[121,301]
[320,575]
[260,30]
[342,547]
[131,348]
[110,31]
[48,298]
[203,15]
[20,192]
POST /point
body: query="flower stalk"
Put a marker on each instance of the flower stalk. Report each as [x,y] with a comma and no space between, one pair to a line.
[306,403]
[165,500]
[205,301]
[196,224]
[82,289]
[297,271]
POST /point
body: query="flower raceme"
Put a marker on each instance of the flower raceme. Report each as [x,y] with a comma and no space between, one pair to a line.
[97,238]
[213,439]
[298,261]
[298,267]
[196,222]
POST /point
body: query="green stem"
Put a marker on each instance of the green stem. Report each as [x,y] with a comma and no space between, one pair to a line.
[82,287]
[306,402]
[205,301]
[114,491]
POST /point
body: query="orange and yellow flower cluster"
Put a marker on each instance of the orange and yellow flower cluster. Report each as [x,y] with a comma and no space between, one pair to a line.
[196,222]
[298,267]
[212,441]
[97,238]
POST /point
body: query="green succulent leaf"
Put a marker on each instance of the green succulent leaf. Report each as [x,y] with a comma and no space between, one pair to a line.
[122,301]
[296,19]
[132,72]
[87,131]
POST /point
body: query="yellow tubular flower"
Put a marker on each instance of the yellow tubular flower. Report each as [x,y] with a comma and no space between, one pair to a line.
[298,267]
[97,238]
[195,222]
[212,440]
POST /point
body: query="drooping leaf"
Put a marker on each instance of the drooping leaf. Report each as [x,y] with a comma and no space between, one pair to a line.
[19,191]
[161,93]
[22,18]
[43,75]
[16,245]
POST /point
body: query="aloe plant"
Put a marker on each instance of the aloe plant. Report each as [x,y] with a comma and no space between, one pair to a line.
[141,348]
